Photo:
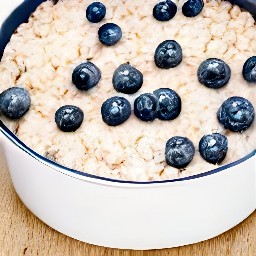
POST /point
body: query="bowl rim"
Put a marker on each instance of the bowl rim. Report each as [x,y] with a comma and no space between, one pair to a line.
[99,179]
[83,175]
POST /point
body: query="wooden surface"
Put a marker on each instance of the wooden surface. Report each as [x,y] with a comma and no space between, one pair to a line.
[21,233]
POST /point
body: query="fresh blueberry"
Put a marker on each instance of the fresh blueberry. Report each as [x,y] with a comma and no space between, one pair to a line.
[69,118]
[164,10]
[14,102]
[146,106]
[116,111]
[127,79]
[86,76]
[179,152]
[236,114]
[96,12]
[169,104]
[192,8]
[213,148]
[214,73]
[109,34]
[168,54]
[249,70]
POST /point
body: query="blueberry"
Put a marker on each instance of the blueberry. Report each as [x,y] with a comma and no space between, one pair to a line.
[213,148]
[249,70]
[236,114]
[146,106]
[168,54]
[214,73]
[192,8]
[179,152]
[164,10]
[116,111]
[109,34]
[14,102]
[96,12]
[69,118]
[127,79]
[86,76]
[169,104]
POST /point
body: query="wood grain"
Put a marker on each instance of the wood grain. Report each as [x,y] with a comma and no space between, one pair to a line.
[24,234]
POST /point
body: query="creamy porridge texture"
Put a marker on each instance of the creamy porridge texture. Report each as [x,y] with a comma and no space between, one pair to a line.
[43,53]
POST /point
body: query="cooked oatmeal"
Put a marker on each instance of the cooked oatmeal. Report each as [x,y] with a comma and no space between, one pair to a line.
[43,53]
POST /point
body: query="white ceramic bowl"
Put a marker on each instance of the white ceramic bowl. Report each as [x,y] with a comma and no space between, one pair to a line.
[124,214]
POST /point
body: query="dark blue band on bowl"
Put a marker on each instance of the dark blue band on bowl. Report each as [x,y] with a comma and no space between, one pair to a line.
[20,15]
[7,133]
[249,5]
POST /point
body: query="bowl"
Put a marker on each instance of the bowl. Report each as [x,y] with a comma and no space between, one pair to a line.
[124,214]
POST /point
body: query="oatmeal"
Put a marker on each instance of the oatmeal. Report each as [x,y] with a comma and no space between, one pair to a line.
[43,53]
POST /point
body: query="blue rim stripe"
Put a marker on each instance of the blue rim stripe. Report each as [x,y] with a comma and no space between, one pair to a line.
[17,17]
[7,133]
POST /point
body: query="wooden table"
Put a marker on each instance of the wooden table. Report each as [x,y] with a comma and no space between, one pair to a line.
[21,233]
